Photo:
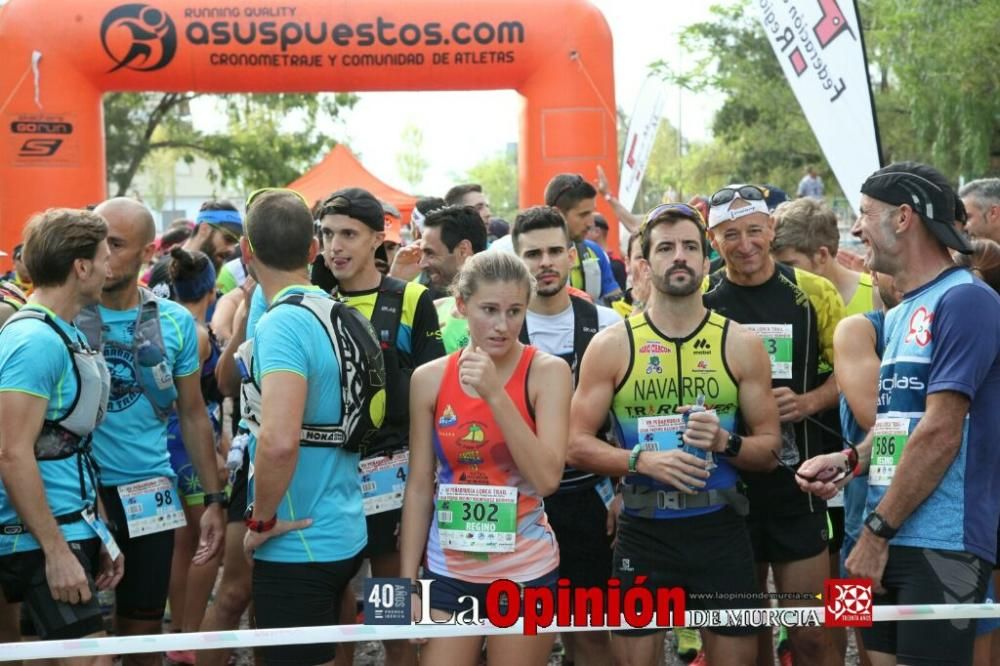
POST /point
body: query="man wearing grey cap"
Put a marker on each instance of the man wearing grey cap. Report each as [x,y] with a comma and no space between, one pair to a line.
[933,504]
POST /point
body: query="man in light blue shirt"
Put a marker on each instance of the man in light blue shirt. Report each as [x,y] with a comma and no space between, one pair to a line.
[307,528]
[55,552]
[151,349]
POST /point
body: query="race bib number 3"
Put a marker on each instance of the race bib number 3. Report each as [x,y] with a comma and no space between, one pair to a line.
[383,480]
[151,506]
[778,343]
[889,439]
[477,519]
[661,433]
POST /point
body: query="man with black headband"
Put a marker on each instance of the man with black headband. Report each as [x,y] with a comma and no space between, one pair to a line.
[933,503]
[795,313]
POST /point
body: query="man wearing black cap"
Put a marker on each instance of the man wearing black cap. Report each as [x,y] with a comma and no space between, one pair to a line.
[405,321]
[933,503]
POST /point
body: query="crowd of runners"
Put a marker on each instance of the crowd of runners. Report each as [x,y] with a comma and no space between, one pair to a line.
[464,400]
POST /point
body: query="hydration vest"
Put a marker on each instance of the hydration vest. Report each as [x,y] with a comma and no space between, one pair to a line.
[149,353]
[11,295]
[69,434]
[362,377]
[585,325]
[387,313]
[589,271]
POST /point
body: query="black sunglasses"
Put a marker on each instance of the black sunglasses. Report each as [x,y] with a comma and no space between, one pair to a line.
[745,192]
[842,472]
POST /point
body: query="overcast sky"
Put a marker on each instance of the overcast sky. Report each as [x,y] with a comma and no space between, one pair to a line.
[644,31]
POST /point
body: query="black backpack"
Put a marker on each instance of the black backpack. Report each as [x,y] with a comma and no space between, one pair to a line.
[362,375]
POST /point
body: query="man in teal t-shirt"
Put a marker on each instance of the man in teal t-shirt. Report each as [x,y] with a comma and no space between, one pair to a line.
[55,552]
[152,369]
[307,525]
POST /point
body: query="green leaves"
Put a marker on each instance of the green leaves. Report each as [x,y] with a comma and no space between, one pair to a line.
[266,140]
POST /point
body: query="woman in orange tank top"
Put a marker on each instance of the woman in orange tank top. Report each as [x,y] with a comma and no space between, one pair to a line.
[489,423]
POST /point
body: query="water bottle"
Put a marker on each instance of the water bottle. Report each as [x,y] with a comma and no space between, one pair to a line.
[235,459]
[789,454]
[405,235]
[708,456]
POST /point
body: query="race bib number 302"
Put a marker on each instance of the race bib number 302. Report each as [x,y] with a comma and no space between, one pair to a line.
[477,519]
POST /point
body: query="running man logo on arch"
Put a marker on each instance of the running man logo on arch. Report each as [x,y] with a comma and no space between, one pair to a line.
[848,602]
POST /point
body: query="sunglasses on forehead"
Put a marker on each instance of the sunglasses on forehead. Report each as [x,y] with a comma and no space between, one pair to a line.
[575,182]
[256,193]
[744,192]
[683,209]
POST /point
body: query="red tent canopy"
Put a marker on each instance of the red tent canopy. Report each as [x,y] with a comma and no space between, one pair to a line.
[339,169]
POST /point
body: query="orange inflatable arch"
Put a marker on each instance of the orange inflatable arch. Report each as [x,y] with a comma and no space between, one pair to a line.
[59,57]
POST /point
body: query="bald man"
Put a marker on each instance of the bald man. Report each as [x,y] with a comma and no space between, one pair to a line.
[151,349]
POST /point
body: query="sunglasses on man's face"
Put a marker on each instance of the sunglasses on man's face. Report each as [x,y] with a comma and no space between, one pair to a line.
[744,192]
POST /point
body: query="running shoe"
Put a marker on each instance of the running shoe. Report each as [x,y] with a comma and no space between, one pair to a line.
[688,643]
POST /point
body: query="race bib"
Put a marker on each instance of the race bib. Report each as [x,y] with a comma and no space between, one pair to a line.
[661,433]
[383,480]
[778,343]
[606,492]
[888,442]
[102,532]
[664,433]
[151,506]
[477,519]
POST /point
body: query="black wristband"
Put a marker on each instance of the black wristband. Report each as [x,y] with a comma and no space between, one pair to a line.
[216,498]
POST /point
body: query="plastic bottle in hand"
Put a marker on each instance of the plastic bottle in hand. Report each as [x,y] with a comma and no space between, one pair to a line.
[708,456]
[235,459]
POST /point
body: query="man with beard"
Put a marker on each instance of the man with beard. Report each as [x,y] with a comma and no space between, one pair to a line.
[932,508]
[563,326]
[217,232]
[151,348]
[680,381]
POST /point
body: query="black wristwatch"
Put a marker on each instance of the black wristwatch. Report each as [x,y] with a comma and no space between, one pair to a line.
[216,498]
[879,527]
[733,445]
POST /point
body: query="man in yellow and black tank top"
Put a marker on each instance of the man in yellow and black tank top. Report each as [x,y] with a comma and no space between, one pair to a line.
[806,237]
[794,312]
[690,395]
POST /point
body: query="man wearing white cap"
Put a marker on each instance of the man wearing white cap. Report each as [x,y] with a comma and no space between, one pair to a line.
[795,313]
